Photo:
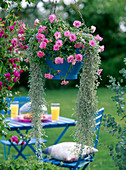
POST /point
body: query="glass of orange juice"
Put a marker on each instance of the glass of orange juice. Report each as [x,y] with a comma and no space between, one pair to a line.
[55,111]
[14,110]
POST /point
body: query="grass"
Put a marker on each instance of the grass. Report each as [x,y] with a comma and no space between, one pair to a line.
[67,98]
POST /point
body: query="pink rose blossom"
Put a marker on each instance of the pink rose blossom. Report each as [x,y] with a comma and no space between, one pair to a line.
[9,88]
[92,43]
[14,41]
[57,35]
[52,17]
[55,48]
[48,76]
[97,37]
[1,83]
[58,60]
[36,22]
[72,37]
[67,33]
[59,43]
[101,48]
[70,59]
[40,54]
[93,28]
[78,57]
[99,71]
[43,45]
[77,23]
[64,82]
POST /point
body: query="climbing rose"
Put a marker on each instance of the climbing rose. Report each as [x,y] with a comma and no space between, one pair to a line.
[36,22]
[70,59]
[58,60]
[93,28]
[77,23]
[52,17]
[64,82]
[57,35]
[92,43]
[72,37]
[40,54]
[78,57]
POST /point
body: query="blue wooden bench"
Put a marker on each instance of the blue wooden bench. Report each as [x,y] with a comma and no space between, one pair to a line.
[81,163]
[21,101]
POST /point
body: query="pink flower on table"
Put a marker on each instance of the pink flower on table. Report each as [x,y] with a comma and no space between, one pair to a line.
[36,22]
[59,43]
[43,45]
[52,17]
[23,142]
[58,60]
[14,41]
[48,76]
[92,43]
[40,54]
[77,23]
[77,45]
[99,71]
[72,37]
[70,59]
[93,28]
[64,82]
[78,57]
[1,83]
[9,88]
[55,48]
[57,35]
[97,37]
[67,33]
[101,48]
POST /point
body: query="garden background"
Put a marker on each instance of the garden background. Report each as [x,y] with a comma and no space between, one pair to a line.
[110,20]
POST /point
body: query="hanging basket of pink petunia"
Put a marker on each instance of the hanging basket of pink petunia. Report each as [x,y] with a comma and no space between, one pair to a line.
[60,48]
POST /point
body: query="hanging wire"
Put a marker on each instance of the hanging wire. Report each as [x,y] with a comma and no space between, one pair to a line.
[78,9]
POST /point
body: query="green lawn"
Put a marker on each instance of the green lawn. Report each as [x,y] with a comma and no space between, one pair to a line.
[67,99]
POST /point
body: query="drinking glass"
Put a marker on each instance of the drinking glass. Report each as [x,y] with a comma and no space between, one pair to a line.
[14,110]
[55,111]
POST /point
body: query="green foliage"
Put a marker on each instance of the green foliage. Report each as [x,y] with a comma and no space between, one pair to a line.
[118,151]
[25,165]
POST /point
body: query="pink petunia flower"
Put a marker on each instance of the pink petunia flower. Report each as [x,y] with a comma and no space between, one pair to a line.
[92,43]
[1,83]
[9,88]
[42,29]
[101,48]
[52,17]
[97,37]
[14,41]
[70,59]
[45,40]
[48,76]
[11,27]
[67,33]
[14,65]
[77,23]
[78,57]
[93,28]
[57,35]
[59,43]
[58,60]
[99,71]
[77,45]
[36,22]
[55,48]
[7,75]
[40,37]
[14,80]
[72,37]
[43,45]
[64,82]
[23,142]
[40,54]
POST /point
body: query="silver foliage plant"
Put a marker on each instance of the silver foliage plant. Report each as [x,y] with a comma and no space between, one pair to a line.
[86,103]
[37,96]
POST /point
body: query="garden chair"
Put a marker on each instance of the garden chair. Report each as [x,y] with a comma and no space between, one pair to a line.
[86,160]
[21,101]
